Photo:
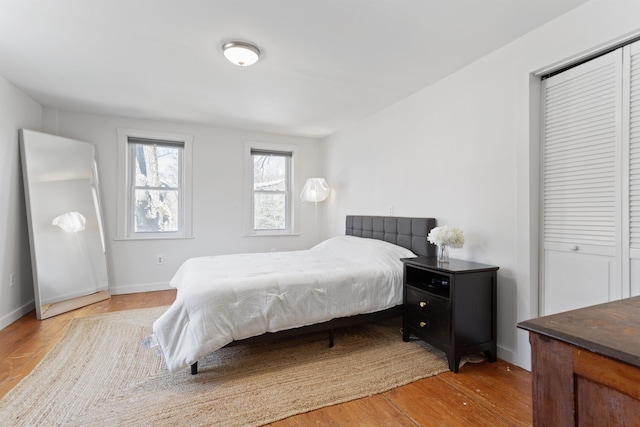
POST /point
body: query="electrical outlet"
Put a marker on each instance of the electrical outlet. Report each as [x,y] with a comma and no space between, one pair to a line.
[12,280]
[391,210]
[159,259]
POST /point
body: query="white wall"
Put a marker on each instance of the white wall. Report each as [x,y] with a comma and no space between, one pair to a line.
[217,196]
[464,150]
[17,111]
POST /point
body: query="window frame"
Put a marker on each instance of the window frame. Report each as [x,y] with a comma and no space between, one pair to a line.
[291,203]
[126,185]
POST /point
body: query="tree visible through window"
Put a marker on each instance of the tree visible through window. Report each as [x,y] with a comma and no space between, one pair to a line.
[271,185]
[156,193]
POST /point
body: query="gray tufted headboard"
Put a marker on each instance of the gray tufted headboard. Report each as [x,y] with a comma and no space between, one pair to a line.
[410,233]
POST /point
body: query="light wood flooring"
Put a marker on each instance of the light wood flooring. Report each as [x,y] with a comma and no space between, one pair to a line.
[483,394]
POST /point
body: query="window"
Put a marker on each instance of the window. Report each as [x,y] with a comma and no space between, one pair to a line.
[271,189]
[155,185]
[155,196]
[270,175]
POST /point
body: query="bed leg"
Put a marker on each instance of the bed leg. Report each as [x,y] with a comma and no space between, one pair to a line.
[194,368]
[331,338]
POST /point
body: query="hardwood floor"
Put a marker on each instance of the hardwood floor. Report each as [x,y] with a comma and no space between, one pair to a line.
[483,394]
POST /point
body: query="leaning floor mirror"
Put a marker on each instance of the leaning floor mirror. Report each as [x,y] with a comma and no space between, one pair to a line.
[66,231]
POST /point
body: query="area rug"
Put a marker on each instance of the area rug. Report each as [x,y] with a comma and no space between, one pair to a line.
[98,374]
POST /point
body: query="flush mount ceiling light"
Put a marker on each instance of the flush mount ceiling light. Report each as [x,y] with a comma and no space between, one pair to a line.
[241,53]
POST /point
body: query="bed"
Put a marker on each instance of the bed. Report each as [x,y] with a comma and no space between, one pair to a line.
[230,299]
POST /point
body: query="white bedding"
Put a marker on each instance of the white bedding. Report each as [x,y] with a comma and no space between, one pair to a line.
[230,297]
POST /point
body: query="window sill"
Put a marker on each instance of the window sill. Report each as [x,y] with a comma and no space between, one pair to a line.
[284,234]
[122,239]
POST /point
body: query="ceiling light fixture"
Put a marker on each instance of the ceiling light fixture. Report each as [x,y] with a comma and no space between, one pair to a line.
[241,53]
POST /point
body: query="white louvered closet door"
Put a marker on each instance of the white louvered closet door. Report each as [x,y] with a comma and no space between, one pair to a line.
[582,185]
[632,87]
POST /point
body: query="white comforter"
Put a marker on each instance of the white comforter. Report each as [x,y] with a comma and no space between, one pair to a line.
[230,297]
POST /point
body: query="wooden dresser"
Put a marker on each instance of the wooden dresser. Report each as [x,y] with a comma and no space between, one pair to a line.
[586,366]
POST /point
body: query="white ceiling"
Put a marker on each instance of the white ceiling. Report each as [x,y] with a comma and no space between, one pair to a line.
[325,63]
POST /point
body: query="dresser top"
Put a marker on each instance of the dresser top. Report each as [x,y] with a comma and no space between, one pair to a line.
[453,266]
[611,329]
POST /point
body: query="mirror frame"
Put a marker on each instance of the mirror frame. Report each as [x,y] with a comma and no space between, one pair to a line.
[59,307]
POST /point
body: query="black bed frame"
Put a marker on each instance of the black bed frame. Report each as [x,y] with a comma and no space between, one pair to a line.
[410,233]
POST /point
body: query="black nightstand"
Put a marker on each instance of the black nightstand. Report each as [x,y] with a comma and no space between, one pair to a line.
[452,306]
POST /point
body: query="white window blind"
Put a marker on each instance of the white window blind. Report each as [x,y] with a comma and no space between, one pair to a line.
[580,182]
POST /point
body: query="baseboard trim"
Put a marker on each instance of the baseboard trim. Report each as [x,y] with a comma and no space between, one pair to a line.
[8,319]
[509,355]
[135,289]
[14,315]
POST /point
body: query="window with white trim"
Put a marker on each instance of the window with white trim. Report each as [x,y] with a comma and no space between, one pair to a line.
[270,177]
[155,188]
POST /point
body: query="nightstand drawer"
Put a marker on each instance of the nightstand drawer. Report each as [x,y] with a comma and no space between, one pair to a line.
[432,324]
[427,315]
[424,302]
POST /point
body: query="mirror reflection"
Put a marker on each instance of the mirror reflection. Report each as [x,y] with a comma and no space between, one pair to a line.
[68,252]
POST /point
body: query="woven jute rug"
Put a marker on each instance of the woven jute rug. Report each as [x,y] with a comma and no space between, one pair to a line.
[98,374]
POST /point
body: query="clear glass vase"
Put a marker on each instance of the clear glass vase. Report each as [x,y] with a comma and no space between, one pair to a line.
[443,253]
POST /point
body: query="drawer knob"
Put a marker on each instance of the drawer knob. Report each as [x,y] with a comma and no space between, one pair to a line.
[423,304]
[423,324]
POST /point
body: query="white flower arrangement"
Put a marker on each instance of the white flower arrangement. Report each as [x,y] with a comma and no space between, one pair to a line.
[446,236]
